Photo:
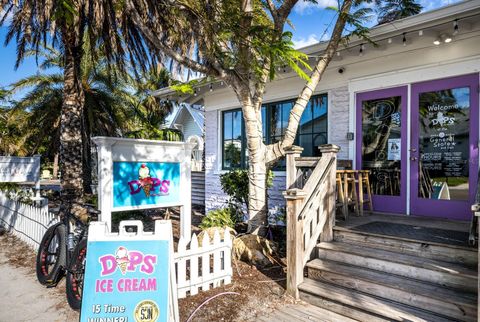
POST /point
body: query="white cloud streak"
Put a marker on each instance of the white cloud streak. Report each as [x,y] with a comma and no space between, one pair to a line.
[306,8]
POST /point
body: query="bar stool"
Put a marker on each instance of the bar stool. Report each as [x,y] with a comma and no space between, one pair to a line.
[364,190]
[349,190]
[341,201]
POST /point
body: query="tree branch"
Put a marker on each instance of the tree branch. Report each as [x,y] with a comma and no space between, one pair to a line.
[274,151]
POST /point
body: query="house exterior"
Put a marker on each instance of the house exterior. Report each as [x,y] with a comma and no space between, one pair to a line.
[407,110]
[189,120]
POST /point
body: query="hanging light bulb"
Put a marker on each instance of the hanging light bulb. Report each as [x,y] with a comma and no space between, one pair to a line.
[389,40]
[455,27]
[362,47]
[221,83]
[211,87]
[420,32]
[338,54]
[195,92]
[404,40]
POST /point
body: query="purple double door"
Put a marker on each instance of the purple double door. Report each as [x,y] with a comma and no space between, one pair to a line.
[434,170]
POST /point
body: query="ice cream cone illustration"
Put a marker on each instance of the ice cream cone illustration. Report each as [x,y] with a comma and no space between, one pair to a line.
[145,179]
[122,259]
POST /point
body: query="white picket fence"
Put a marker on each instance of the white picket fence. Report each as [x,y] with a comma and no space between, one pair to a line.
[203,267]
[26,222]
[197,267]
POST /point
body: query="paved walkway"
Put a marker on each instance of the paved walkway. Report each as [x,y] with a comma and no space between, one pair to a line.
[22,298]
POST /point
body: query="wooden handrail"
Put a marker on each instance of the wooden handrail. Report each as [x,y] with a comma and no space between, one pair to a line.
[310,210]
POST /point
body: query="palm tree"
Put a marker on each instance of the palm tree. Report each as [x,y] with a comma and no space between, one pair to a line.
[391,10]
[105,111]
[63,24]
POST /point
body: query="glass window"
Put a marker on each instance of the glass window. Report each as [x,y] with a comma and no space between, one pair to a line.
[233,145]
[444,144]
[381,144]
[312,130]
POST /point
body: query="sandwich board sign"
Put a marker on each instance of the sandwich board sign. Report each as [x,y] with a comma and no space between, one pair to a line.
[129,276]
[141,174]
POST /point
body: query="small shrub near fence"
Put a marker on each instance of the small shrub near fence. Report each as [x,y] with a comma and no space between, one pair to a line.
[26,222]
[203,267]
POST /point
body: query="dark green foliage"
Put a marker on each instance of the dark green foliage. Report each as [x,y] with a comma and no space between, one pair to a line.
[391,10]
[219,218]
[153,133]
[235,185]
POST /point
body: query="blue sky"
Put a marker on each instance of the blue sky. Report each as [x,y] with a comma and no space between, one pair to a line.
[309,20]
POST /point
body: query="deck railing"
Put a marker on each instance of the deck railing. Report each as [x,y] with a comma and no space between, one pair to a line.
[310,197]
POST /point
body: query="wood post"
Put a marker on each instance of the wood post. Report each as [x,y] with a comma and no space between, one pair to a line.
[330,151]
[292,153]
[295,241]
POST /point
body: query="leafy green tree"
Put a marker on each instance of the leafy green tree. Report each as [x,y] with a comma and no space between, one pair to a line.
[391,10]
[241,43]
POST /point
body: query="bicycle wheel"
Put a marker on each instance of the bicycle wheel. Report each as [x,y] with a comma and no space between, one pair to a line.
[75,275]
[51,255]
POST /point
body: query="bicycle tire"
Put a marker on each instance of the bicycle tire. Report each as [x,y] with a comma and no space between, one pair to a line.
[75,275]
[51,255]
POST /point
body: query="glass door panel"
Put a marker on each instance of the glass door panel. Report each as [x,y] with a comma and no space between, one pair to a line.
[381,148]
[444,157]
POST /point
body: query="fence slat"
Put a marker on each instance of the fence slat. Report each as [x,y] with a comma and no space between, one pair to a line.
[216,258]
[181,269]
[194,280]
[205,263]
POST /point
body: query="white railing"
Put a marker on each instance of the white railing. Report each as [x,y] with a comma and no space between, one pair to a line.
[203,266]
[26,222]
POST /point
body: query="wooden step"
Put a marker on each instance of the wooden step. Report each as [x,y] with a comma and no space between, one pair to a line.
[450,303]
[358,300]
[443,252]
[304,313]
[438,272]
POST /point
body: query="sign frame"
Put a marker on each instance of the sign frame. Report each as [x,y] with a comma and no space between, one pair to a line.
[111,149]
[99,232]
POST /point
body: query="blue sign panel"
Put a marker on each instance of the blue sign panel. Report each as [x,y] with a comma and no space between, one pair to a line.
[126,281]
[145,183]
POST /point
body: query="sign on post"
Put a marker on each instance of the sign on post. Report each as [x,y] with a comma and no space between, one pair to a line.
[20,169]
[142,174]
[129,277]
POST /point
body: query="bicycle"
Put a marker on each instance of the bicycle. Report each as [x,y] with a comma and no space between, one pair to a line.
[63,250]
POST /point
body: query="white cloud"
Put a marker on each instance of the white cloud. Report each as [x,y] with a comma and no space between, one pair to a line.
[312,39]
[433,4]
[306,7]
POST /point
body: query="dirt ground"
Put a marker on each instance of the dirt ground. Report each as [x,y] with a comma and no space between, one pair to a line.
[252,293]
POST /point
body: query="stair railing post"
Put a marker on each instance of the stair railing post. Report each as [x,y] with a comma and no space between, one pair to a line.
[295,240]
[292,153]
[330,151]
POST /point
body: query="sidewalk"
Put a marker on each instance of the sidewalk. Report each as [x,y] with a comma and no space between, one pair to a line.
[22,298]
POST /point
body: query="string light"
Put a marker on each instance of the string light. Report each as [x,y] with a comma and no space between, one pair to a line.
[195,92]
[338,54]
[420,33]
[362,47]
[211,87]
[404,39]
[389,40]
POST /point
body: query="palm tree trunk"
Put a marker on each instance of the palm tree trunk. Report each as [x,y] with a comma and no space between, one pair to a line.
[71,154]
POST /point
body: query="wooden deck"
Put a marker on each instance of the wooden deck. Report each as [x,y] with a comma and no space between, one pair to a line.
[429,222]
[303,312]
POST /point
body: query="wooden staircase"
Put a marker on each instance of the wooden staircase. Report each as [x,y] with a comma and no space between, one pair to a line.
[369,277]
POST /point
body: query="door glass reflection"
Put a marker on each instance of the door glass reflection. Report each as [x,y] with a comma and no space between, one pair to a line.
[381,144]
[444,124]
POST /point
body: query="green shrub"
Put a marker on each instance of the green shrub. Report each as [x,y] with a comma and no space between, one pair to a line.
[219,218]
[235,185]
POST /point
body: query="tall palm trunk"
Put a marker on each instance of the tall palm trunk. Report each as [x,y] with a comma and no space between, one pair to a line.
[71,151]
